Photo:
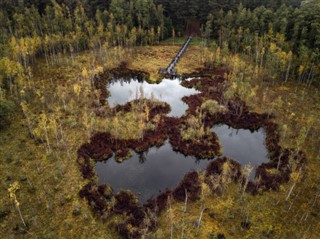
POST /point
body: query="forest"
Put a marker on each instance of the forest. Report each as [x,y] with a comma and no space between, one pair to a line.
[100,140]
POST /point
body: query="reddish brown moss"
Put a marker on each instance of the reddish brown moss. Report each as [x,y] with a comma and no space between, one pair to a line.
[126,201]
[206,71]
[97,198]
[126,230]
[133,227]
[86,167]
[160,203]
[216,168]
[191,185]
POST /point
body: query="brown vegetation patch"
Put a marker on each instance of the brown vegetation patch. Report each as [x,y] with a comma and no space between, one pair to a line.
[193,102]
[208,147]
[160,202]
[96,198]
[86,167]
[216,168]
[206,72]
[190,185]
[126,201]
[155,108]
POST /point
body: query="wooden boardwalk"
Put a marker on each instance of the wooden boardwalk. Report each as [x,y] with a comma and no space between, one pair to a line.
[170,70]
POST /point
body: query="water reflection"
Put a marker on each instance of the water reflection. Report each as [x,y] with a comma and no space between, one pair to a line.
[168,90]
[148,173]
[242,145]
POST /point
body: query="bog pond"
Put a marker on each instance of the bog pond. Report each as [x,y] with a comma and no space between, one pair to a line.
[159,168]
[168,90]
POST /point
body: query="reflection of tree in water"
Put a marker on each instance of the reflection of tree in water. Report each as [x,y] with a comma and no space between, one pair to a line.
[232,131]
[139,91]
[197,161]
[127,78]
[142,158]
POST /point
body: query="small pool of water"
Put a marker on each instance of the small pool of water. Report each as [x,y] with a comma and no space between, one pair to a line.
[162,168]
[242,145]
[169,90]
[149,173]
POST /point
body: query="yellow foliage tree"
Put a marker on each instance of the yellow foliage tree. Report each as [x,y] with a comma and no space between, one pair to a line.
[13,198]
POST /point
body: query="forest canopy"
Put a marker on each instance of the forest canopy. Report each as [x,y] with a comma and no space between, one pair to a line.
[284,36]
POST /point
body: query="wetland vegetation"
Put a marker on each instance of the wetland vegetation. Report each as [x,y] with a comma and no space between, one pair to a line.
[96,143]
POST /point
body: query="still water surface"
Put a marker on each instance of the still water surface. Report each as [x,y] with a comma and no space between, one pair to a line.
[242,145]
[168,90]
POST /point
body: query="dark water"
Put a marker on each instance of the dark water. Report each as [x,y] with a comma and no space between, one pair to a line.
[168,90]
[244,146]
[163,168]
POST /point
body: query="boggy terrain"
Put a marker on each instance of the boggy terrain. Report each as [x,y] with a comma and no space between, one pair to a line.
[228,110]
